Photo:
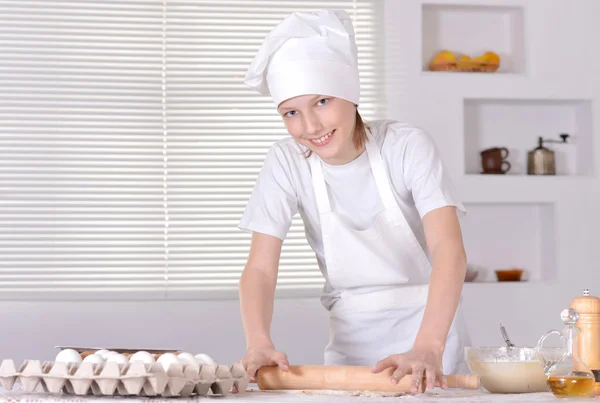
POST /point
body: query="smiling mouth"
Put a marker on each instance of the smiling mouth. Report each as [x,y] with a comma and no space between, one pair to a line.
[323,141]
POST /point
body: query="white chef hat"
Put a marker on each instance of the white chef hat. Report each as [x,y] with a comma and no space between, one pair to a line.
[308,53]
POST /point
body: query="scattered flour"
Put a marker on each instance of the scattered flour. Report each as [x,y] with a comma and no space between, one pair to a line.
[358,393]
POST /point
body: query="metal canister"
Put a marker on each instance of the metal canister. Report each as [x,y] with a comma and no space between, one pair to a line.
[540,161]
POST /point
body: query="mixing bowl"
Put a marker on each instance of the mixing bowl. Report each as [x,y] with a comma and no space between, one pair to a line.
[510,370]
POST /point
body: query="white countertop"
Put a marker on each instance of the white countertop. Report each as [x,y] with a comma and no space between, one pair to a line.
[447,396]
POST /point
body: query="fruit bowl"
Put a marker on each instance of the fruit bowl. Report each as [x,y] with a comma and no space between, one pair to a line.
[445,60]
[465,67]
[510,370]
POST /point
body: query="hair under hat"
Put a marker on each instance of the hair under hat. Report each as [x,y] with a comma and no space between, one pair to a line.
[308,53]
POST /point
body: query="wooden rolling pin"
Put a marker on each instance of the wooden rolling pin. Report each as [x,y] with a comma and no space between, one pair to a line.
[318,377]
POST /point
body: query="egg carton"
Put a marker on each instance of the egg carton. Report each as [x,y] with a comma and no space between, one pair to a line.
[133,379]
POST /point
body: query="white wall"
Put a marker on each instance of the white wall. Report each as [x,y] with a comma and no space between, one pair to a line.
[558,61]
[548,46]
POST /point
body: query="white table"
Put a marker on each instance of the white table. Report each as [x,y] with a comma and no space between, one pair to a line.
[253,395]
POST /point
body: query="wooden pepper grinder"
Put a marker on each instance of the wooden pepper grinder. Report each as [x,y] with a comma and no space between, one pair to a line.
[588,308]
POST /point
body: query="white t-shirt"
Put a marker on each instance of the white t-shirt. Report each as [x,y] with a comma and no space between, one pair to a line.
[284,186]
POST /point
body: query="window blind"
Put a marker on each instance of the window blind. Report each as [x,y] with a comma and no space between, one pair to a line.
[129,144]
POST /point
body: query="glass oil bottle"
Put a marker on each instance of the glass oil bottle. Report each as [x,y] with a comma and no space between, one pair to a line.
[569,376]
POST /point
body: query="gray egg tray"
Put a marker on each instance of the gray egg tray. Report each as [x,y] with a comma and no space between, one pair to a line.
[133,379]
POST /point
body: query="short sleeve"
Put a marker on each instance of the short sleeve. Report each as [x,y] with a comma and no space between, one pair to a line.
[273,202]
[426,177]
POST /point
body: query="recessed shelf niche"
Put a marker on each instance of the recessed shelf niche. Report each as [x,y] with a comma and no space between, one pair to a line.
[516,124]
[511,235]
[474,30]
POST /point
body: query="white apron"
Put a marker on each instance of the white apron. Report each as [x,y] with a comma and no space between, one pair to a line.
[382,275]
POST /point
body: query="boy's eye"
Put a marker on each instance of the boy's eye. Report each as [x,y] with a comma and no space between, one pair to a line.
[291,113]
[323,101]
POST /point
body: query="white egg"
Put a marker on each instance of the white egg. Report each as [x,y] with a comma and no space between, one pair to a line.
[118,358]
[94,358]
[204,359]
[167,359]
[67,356]
[143,356]
[109,354]
[186,358]
[102,353]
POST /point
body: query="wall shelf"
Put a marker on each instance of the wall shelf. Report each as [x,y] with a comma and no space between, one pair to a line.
[493,284]
[516,124]
[520,188]
[474,30]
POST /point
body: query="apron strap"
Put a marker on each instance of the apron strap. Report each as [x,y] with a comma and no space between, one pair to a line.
[319,184]
[379,172]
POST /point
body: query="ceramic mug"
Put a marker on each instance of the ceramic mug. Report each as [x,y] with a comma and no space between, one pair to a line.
[493,160]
